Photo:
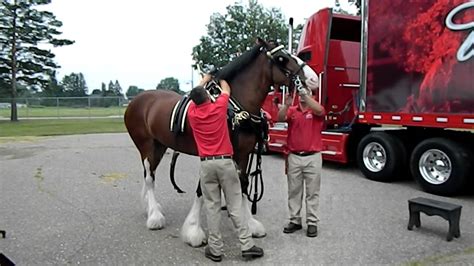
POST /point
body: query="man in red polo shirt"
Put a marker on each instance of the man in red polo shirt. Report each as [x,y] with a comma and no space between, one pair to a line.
[304,145]
[208,121]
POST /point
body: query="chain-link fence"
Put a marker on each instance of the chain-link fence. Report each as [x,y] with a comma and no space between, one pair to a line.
[65,107]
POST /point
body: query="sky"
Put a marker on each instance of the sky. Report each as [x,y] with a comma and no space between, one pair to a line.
[141,42]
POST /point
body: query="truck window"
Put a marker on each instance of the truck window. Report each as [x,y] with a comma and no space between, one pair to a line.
[305,56]
[345,29]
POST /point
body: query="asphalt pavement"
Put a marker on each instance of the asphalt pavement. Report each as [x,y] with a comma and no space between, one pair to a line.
[76,200]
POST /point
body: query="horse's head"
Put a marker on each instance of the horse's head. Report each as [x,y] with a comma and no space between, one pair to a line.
[288,69]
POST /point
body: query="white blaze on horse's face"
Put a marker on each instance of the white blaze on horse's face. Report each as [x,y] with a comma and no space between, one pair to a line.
[312,80]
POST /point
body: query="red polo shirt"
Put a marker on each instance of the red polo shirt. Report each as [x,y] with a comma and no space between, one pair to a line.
[304,130]
[209,124]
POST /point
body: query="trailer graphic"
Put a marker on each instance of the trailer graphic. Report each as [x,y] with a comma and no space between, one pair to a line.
[398,89]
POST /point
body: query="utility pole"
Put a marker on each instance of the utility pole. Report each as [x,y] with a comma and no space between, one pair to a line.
[192,77]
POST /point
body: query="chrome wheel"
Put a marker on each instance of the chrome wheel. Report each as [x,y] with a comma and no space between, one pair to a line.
[374,157]
[435,166]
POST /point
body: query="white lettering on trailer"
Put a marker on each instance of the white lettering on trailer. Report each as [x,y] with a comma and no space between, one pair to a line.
[442,119]
[469,120]
[361,116]
[464,52]
[377,117]
[417,118]
[396,117]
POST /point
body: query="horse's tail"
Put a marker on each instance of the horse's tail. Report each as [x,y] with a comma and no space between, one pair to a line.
[172,166]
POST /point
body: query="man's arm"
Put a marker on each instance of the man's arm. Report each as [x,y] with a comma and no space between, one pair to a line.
[284,109]
[223,99]
[224,86]
[205,79]
[317,108]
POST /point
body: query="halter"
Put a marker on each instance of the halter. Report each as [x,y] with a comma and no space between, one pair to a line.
[291,75]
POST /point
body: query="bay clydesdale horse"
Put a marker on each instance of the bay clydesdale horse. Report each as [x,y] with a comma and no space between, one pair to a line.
[250,76]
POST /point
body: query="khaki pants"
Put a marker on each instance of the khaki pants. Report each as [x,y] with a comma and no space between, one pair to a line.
[304,172]
[216,175]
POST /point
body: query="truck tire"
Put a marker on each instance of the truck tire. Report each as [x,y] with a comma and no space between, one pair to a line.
[381,156]
[441,166]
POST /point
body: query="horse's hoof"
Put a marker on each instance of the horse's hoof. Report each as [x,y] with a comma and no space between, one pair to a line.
[259,236]
[196,243]
[194,236]
[155,222]
[203,244]
[154,226]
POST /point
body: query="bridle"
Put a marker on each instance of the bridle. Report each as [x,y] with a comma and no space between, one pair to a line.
[277,60]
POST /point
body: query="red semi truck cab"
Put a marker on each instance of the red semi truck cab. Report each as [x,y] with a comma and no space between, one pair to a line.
[398,89]
[330,44]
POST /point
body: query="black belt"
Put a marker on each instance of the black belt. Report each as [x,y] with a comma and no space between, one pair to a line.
[216,157]
[304,153]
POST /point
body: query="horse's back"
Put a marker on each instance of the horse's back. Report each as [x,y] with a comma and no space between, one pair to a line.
[146,102]
[148,118]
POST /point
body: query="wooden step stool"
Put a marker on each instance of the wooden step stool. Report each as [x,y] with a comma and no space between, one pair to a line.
[450,212]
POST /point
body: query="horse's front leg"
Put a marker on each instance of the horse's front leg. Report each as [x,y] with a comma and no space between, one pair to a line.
[256,227]
[155,219]
[192,232]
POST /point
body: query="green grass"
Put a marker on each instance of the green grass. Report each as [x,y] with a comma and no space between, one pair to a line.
[65,112]
[53,127]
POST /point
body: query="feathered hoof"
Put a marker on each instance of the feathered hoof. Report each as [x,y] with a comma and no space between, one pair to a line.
[259,236]
[193,236]
[256,228]
[155,221]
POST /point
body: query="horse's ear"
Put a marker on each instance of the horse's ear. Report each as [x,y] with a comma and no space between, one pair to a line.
[259,41]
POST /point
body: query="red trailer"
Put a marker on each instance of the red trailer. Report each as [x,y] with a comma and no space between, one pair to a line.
[398,89]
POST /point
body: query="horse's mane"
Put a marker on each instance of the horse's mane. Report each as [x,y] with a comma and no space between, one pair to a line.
[229,71]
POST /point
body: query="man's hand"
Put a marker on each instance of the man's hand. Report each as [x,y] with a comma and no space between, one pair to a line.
[224,86]
[205,79]
[284,108]
[288,100]
[302,91]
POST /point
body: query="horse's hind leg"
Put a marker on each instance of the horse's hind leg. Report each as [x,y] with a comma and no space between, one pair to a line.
[151,157]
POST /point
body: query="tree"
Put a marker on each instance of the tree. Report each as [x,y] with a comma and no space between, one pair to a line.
[359,6]
[117,88]
[114,89]
[171,84]
[340,10]
[74,85]
[103,88]
[133,91]
[22,29]
[53,89]
[4,93]
[230,34]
